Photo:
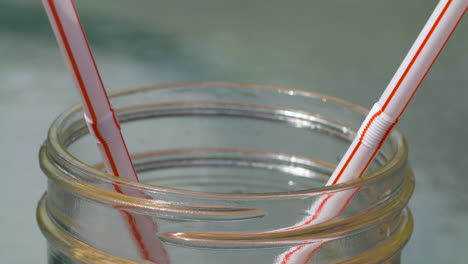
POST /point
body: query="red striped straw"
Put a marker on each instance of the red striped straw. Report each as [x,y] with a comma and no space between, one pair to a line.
[380,121]
[101,120]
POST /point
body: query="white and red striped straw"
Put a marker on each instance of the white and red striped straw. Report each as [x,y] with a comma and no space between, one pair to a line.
[381,120]
[101,119]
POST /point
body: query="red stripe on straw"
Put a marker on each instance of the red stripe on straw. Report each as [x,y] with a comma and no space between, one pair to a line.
[370,123]
[95,67]
[288,256]
[114,118]
[433,61]
[316,214]
[335,181]
[70,55]
[390,128]
[350,198]
[319,209]
[311,254]
[92,57]
[387,132]
[131,223]
[81,85]
[136,235]
[400,81]
[417,87]
[420,82]
[324,201]
[413,60]
[347,162]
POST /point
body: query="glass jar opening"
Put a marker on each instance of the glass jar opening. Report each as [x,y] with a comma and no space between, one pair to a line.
[201,137]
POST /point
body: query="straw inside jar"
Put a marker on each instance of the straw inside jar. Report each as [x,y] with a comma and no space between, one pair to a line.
[380,121]
[101,120]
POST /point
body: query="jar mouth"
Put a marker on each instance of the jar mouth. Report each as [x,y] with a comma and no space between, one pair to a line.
[56,151]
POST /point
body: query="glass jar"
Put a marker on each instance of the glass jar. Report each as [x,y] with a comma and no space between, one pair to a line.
[223,167]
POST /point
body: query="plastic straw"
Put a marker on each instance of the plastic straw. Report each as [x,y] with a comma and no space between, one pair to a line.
[101,119]
[381,120]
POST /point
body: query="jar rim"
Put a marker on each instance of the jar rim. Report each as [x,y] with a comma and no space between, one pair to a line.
[54,144]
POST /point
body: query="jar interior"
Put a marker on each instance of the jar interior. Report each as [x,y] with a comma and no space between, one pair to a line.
[207,146]
[230,161]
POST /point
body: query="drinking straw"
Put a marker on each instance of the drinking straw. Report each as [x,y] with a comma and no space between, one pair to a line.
[101,119]
[380,120]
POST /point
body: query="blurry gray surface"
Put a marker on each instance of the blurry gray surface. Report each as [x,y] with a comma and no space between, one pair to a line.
[348,49]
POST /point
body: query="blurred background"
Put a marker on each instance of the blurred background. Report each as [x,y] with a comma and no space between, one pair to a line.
[348,49]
